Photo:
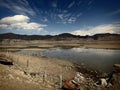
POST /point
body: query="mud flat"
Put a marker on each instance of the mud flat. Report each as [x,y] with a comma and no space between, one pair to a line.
[42,44]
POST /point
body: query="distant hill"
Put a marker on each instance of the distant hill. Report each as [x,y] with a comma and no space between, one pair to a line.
[63,36]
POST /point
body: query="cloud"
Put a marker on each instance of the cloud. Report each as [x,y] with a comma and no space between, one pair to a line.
[3,26]
[78,15]
[114,12]
[67,18]
[15,19]
[44,19]
[107,28]
[90,2]
[79,3]
[54,4]
[71,4]
[18,6]
[72,20]
[61,16]
[20,22]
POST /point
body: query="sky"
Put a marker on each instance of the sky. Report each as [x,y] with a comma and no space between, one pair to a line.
[43,17]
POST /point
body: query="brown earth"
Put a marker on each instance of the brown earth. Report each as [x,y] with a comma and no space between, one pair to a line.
[40,73]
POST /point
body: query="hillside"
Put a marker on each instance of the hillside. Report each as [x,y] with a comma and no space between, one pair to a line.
[63,36]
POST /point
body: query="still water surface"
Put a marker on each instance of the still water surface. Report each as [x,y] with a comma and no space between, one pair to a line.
[100,59]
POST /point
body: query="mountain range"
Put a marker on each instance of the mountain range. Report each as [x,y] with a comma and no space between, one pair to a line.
[63,36]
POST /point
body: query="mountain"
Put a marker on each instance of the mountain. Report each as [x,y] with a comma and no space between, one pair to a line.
[63,36]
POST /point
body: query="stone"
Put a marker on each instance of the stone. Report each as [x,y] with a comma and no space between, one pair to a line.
[11,76]
[78,78]
[103,82]
[116,67]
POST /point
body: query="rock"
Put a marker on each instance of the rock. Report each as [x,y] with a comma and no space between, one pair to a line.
[76,83]
[103,82]
[78,78]
[114,78]
[11,76]
[18,78]
[117,68]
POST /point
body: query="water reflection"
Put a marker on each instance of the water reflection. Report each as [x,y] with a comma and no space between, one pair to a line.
[101,59]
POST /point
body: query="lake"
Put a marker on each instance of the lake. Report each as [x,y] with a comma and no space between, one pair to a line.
[99,59]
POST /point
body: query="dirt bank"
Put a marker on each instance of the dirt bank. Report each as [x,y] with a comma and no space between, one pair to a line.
[39,73]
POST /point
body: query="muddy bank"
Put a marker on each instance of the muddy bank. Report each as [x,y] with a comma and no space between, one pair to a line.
[40,73]
[38,44]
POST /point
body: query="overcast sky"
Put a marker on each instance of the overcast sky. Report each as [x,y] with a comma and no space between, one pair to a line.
[79,17]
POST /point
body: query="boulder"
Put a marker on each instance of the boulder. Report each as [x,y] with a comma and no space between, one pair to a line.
[117,68]
[103,82]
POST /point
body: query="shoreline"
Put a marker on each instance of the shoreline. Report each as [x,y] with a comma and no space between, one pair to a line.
[68,69]
[42,44]
[26,68]
[9,49]
[3,47]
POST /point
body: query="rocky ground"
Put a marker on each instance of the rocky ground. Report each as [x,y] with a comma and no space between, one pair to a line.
[25,72]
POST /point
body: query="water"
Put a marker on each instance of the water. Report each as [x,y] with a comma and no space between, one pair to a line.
[100,59]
